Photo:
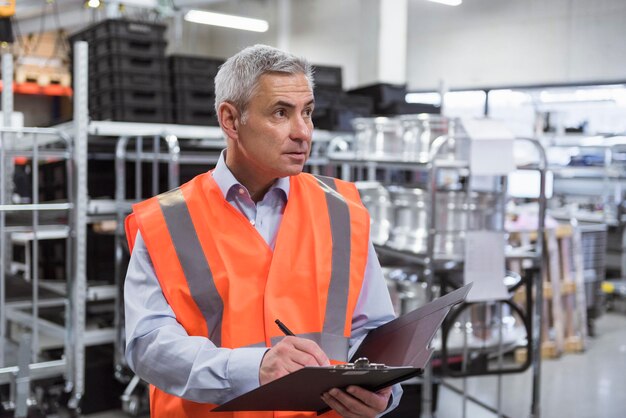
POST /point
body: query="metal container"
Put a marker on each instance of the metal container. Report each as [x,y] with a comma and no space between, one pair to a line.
[378,138]
[419,132]
[376,199]
[407,138]
[407,289]
[456,213]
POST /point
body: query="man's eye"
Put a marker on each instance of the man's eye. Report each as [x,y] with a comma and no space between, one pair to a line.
[308,112]
[281,113]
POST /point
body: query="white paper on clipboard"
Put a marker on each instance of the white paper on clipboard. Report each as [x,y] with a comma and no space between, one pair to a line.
[484,265]
[491,149]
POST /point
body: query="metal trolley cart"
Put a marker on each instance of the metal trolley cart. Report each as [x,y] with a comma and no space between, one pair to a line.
[440,272]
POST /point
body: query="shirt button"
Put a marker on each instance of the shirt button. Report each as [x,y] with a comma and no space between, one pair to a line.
[241,190]
[252,222]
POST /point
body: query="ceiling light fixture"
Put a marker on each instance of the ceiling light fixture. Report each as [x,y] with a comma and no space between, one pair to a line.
[227,21]
[448,2]
[93,4]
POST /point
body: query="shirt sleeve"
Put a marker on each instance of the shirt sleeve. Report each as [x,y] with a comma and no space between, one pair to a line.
[159,350]
[373,309]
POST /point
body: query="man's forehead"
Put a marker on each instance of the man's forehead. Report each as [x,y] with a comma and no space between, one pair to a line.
[275,85]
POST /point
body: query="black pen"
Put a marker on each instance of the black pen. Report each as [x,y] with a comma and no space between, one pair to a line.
[283,328]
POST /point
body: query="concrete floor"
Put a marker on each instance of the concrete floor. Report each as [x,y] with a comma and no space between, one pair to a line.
[588,385]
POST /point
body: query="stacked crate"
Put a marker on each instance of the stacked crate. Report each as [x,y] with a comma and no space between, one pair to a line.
[390,100]
[334,109]
[128,78]
[193,89]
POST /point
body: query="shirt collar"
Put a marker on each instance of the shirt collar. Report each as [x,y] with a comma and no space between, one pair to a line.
[226,180]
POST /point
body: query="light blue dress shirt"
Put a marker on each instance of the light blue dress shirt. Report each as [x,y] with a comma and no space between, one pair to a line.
[159,350]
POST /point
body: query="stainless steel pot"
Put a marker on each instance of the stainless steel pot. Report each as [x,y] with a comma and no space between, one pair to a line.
[407,288]
[456,212]
[376,199]
[378,138]
[407,138]
[419,132]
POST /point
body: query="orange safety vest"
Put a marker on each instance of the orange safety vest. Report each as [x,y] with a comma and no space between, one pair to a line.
[224,282]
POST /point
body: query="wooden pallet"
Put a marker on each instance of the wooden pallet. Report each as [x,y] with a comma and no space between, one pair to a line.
[43,76]
[564,323]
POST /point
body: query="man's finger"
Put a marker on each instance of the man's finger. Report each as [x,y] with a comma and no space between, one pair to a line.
[310,347]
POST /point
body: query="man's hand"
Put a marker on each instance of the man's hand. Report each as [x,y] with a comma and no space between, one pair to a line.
[289,355]
[357,402]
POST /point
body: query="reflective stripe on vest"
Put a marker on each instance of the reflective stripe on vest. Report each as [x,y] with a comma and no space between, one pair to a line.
[196,269]
[336,304]
[192,260]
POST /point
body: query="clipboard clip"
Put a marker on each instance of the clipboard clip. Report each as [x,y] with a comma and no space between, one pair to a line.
[362,363]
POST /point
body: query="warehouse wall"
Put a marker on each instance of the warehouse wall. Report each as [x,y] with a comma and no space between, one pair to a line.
[497,42]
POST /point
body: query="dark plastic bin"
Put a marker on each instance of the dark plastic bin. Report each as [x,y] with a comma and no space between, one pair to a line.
[132,97]
[383,94]
[362,105]
[124,113]
[325,99]
[128,80]
[128,46]
[328,77]
[188,64]
[123,28]
[127,63]
[196,99]
[203,115]
[200,82]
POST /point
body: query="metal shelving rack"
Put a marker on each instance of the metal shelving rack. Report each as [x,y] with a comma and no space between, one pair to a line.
[604,184]
[31,364]
[431,263]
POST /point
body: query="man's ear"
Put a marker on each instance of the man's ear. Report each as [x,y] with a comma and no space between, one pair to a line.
[229,118]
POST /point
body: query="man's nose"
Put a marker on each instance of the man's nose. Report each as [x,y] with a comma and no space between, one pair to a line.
[301,128]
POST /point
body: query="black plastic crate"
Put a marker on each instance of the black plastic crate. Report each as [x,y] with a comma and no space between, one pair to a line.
[325,99]
[131,97]
[126,63]
[361,105]
[328,77]
[203,115]
[383,94]
[120,28]
[200,82]
[125,113]
[188,64]
[128,46]
[127,80]
[186,98]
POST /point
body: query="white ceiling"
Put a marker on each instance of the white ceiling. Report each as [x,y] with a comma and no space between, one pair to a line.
[71,14]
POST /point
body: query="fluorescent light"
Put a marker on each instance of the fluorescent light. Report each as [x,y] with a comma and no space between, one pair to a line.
[93,3]
[427,98]
[448,2]
[227,21]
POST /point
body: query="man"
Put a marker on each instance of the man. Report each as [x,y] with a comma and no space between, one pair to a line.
[218,260]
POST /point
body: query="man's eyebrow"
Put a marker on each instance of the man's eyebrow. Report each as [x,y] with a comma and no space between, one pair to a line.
[291,105]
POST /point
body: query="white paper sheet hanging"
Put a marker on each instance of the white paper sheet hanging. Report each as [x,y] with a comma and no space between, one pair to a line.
[484,265]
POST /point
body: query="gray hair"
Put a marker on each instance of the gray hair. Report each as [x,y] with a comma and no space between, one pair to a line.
[238,77]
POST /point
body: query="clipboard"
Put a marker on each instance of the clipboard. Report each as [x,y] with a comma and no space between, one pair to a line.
[398,351]
[301,390]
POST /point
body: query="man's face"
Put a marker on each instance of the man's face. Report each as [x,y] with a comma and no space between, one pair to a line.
[275,140]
